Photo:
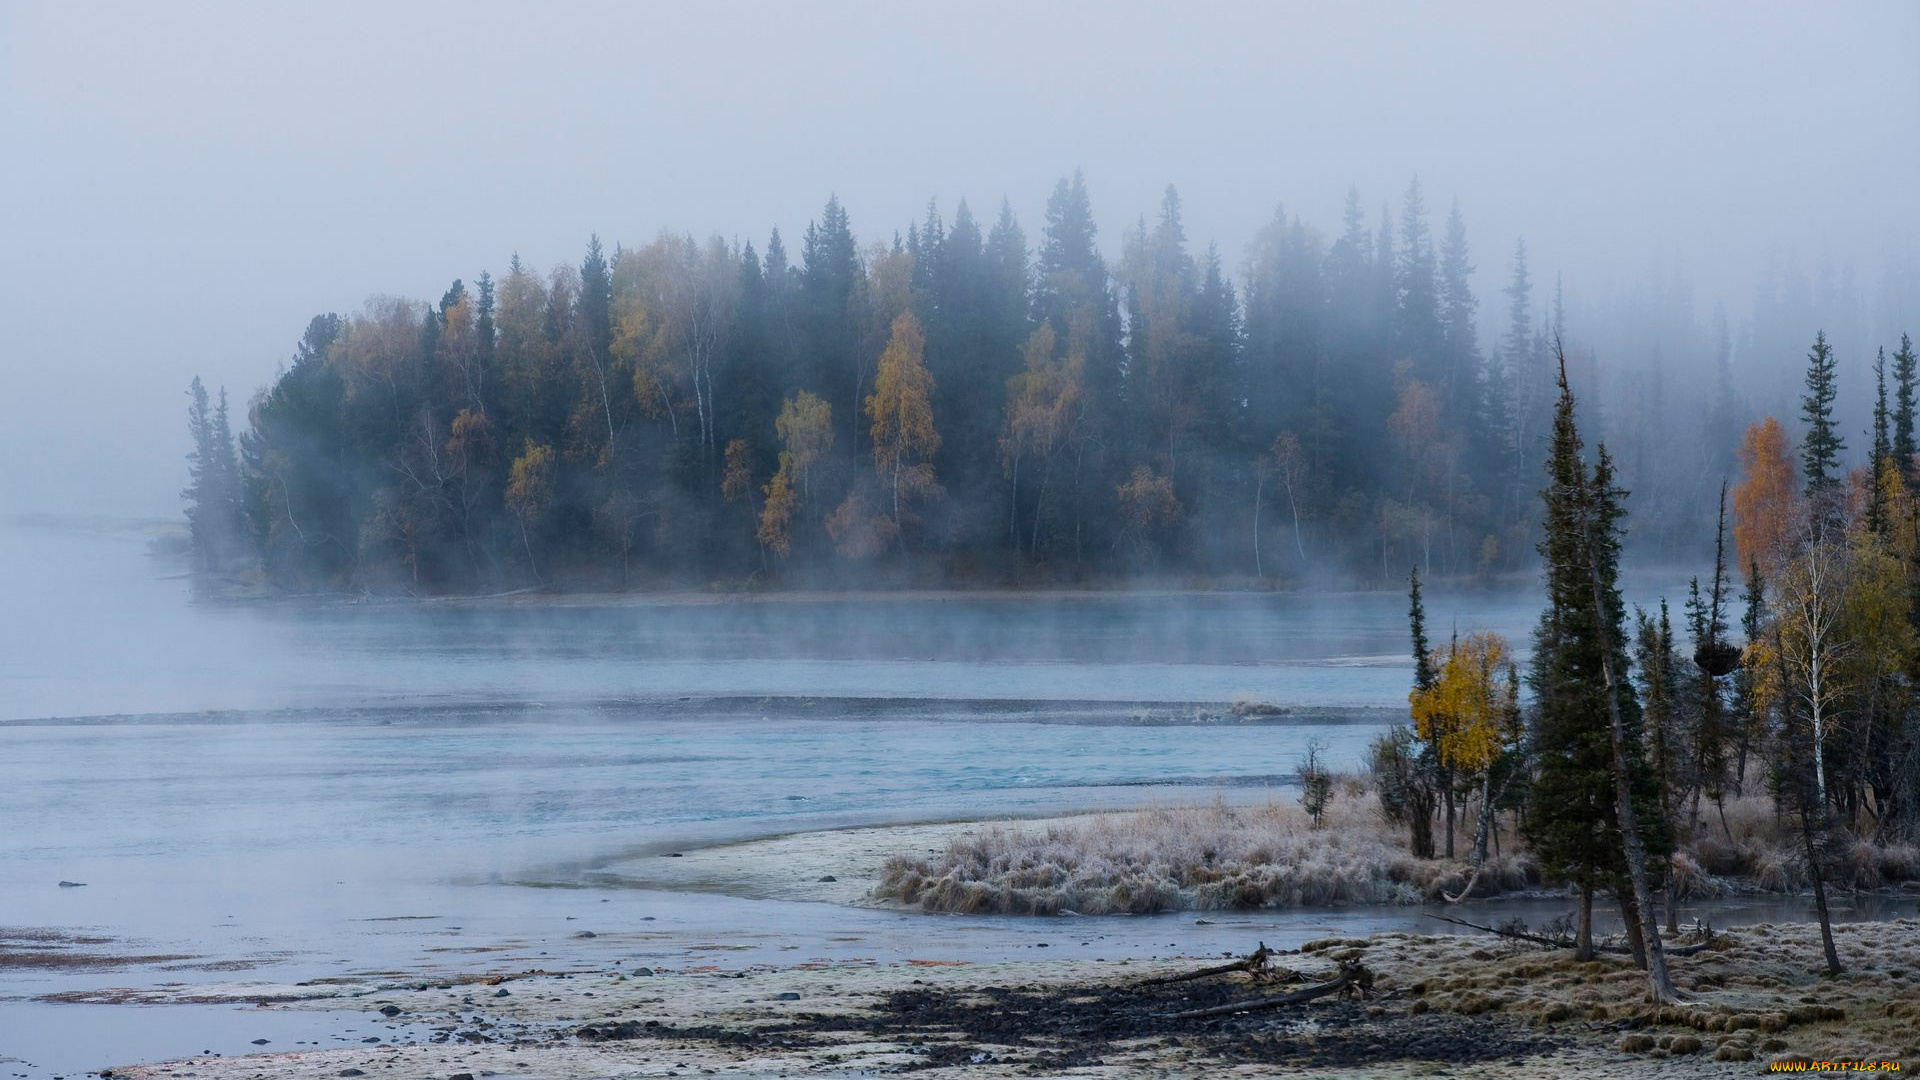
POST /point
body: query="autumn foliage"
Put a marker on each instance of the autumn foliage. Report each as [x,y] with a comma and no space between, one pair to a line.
[1766,500]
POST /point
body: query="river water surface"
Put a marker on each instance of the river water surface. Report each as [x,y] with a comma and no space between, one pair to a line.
[304,788]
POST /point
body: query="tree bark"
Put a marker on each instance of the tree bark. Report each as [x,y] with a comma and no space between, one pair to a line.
[1257,571]
[1819,889]
[1659,981]
[1583,933]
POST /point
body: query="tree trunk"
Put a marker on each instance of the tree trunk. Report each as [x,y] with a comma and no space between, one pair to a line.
[1486,816]
[1013,507]
[1819,889]
[1630,918]
[1258,572]
[528,544]
[1583,933]
[1673,906]
[1659,981]
[1299,545]
[1040,505]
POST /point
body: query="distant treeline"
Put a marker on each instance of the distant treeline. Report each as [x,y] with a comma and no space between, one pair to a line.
[952,404]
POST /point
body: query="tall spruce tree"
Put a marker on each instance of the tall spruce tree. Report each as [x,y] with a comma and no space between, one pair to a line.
[1821,446]
[1406,766]
[1714,658]
[1879,520]
[1903,401]
[1596,801]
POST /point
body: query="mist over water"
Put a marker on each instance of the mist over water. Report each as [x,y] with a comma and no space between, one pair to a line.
[1290,317]
[98,629]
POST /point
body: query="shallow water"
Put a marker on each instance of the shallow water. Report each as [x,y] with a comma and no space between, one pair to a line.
[316,787]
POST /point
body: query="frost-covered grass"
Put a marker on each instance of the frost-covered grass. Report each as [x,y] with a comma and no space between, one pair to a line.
[1218,857]
[1759,847]
[1198,858]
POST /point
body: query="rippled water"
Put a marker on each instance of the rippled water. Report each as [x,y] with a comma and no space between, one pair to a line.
[281,781]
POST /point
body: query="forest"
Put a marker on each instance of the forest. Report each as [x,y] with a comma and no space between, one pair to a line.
[1621,767]
[954,404]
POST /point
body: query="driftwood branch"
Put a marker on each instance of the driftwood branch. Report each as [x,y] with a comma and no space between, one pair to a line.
[1255,962]
[1565,943]
[1353,978]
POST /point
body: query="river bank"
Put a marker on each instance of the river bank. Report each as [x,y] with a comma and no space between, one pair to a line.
[1433,1002]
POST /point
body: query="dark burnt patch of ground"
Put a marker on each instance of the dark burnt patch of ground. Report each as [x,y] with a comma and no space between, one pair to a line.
[1046,1028]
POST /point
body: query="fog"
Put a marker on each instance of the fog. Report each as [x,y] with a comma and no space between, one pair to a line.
[185,185]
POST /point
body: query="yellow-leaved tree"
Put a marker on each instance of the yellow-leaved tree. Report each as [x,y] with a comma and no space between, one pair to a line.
[805,426]
[530,491]
[1045,406]
[901,408]
[1469,716]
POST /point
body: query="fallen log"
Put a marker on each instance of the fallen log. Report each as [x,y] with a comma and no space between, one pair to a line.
[1255,961]
[1352,977]
[1514,935]
[1565,943]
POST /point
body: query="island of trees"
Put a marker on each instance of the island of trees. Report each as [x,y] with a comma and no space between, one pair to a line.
[951,404]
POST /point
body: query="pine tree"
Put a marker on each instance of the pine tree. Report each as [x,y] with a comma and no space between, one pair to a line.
[1820,449]
[1879,515]
[484,333]
[1406,764]
[1457,310]
[1903,402]
[594,309]
[202,512]
[1418,289]
[1714,659]
[830,273]
[1596,802]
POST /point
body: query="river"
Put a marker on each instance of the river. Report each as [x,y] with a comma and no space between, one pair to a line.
[305,787]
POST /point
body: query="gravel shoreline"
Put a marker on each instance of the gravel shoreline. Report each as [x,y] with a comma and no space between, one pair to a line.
[1438,1003]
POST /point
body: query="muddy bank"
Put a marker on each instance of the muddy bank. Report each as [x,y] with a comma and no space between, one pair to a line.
[1434,1002]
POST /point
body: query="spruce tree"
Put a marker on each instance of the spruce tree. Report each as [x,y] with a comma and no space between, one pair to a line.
[1417,286]
[1903,401]
[201,477]
[1423,673]
[1878,513]
[1713,658]
[1596,802]
[596,298]
[483,329]
[1746,682]
[1406,766]
[1820,448]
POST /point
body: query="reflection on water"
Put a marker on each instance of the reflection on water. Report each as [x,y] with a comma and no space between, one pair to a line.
[382,760]
[95,628]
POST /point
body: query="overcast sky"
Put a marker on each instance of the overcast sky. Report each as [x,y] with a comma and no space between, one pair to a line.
[183,185]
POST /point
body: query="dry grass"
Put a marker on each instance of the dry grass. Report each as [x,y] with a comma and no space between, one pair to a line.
[1757,993]
[1272,856]
[1758,847]
[1189,858]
